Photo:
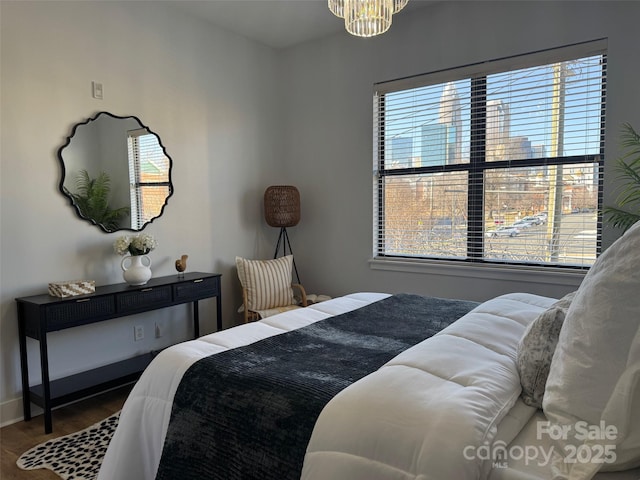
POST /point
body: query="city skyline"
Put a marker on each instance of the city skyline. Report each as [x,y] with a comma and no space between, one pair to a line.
[431,125]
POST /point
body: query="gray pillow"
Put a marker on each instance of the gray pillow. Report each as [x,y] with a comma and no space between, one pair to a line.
[536,348]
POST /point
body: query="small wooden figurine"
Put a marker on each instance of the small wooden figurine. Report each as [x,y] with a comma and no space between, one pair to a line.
[181,265]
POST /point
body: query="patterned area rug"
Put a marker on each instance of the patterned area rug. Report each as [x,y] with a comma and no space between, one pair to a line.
[76,456]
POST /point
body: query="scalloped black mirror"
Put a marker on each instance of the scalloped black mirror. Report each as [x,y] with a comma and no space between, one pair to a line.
[115,172]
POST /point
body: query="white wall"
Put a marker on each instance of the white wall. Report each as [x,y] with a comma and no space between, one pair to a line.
[328,125]
[236,117]
[210,97]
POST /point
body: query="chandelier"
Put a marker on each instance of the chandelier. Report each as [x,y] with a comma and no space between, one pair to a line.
[366,18]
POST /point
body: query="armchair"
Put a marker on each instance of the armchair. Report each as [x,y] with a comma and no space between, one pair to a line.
[267,287]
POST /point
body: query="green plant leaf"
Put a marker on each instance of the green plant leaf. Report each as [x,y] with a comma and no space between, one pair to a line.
[92,200]
[627,209]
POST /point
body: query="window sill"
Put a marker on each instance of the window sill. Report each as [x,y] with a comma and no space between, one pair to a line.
[511,273]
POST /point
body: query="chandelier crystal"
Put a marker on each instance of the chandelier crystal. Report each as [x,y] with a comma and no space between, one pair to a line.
[337,7]
[399,5]
[366,18]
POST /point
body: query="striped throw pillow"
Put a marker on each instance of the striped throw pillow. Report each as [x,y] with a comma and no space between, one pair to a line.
[267,282]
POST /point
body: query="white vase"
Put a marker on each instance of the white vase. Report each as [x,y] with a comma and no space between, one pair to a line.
[137,273]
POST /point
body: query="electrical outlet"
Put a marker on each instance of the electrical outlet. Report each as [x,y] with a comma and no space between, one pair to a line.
[159,330]
[138,333]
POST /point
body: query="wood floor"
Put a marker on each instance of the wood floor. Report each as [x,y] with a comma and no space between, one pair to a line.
[18,438]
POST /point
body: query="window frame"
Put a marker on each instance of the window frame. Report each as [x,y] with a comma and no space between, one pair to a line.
[137,186]
[478,164]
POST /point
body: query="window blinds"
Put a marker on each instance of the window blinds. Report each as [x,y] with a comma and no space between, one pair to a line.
[498,167]
[149,184]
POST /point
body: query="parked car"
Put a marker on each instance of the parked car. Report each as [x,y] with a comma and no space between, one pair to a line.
[522,224]
[503,232]
[542,216]
[533,220]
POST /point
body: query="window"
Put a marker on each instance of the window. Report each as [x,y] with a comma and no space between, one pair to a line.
[498,162]
[149,184]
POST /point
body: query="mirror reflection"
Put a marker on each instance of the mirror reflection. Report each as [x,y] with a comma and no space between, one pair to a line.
[116,172]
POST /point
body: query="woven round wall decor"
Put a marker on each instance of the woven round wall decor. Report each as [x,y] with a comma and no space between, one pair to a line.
[282,206]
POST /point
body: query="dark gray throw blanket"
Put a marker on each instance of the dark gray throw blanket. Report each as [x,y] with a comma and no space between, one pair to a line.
[248,413]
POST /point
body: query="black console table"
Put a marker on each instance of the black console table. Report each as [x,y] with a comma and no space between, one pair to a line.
[40,314]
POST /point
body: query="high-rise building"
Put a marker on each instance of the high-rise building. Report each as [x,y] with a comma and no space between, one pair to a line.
[439,145]
[450,115]
[498,123]
[402,151]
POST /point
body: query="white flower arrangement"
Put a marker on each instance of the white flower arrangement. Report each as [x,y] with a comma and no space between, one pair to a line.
[140,244]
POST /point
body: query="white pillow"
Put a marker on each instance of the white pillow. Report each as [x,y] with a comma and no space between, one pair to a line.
[267,282]
[595,372]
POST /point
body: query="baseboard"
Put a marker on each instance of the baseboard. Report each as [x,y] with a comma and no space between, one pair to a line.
[11,411]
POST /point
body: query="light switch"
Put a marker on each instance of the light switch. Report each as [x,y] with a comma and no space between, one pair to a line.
[97,90]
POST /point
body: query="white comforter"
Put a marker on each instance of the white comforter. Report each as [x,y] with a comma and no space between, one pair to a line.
[421,416]
[424,414]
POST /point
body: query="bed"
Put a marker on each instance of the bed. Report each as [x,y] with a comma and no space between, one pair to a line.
[448,406]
